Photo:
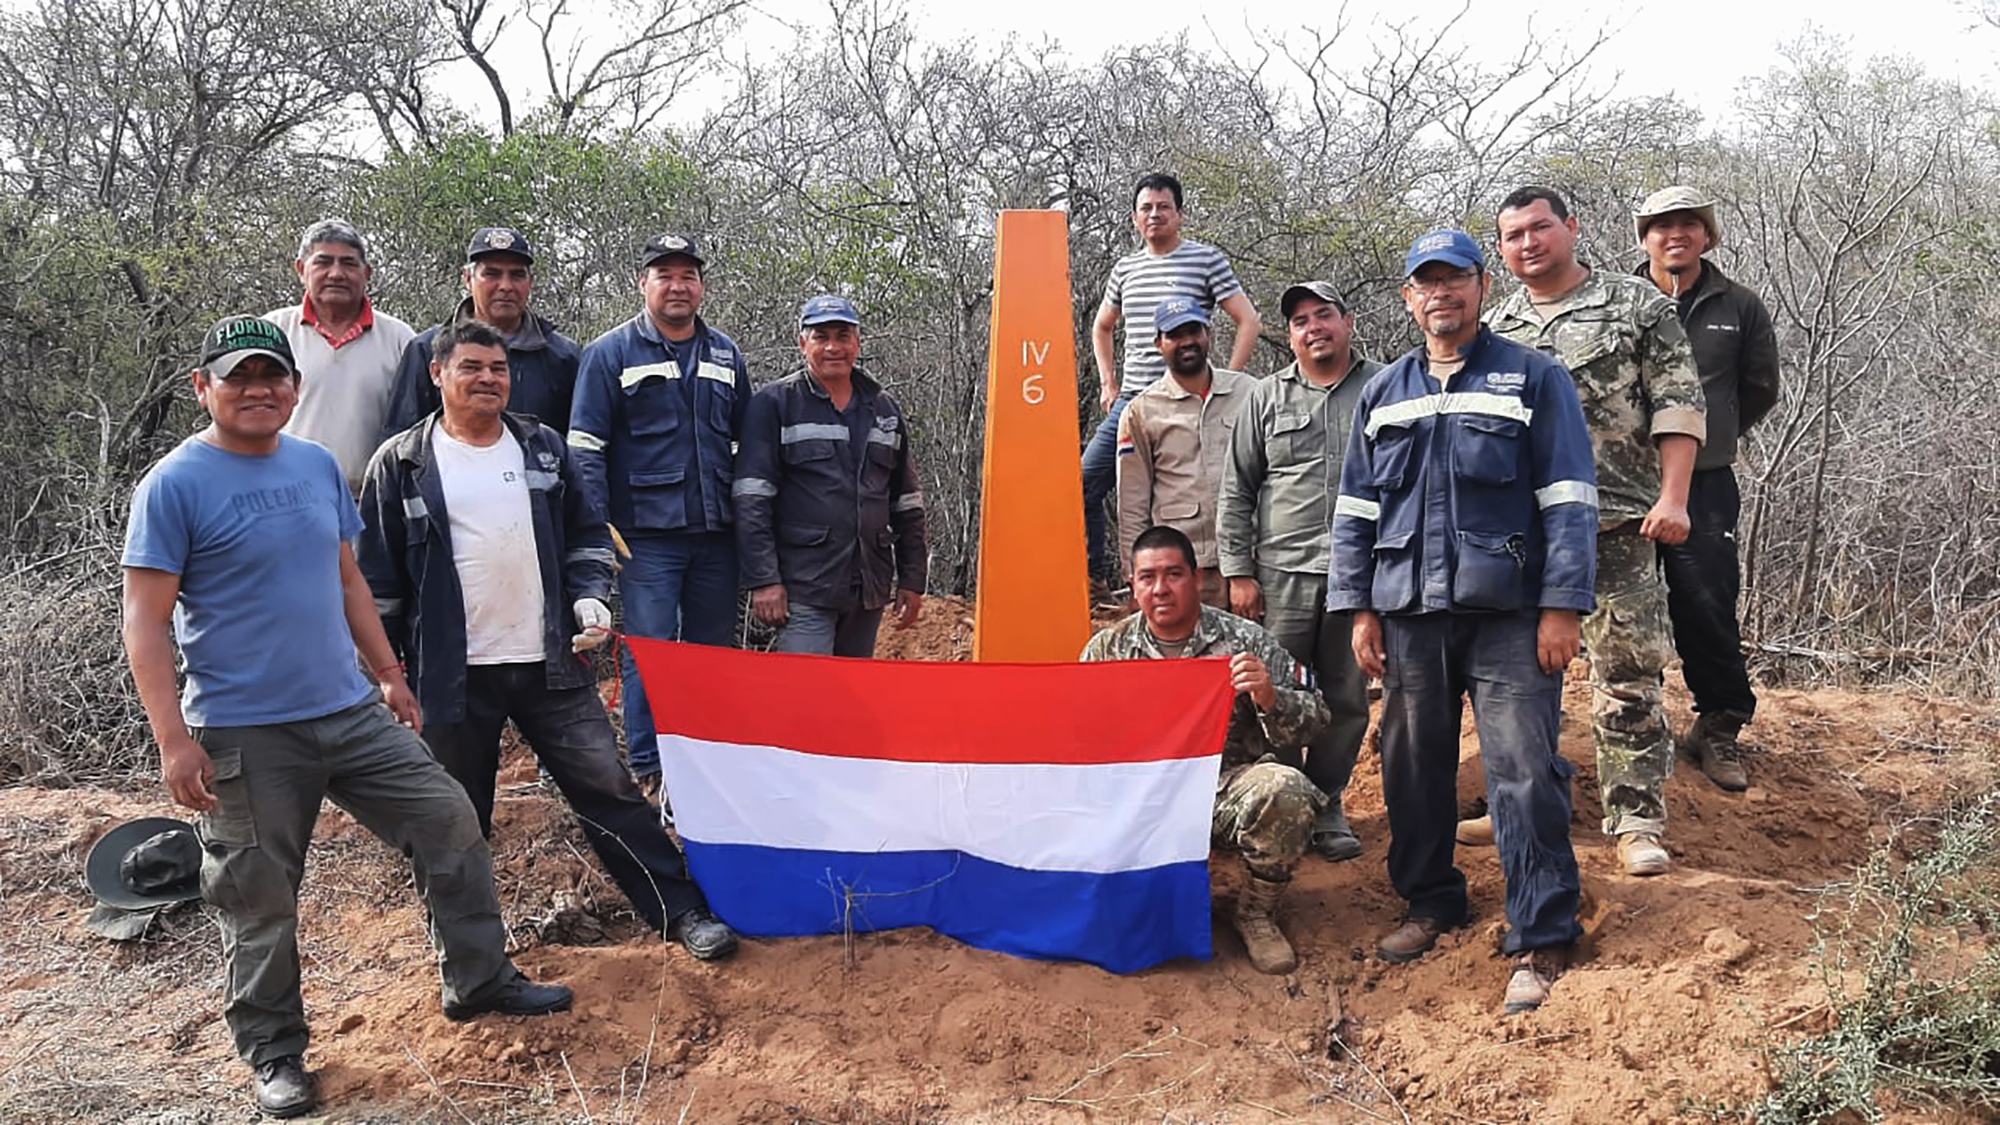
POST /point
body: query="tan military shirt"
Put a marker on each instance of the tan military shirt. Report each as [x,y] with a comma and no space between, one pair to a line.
[1173,448]
[1634,370]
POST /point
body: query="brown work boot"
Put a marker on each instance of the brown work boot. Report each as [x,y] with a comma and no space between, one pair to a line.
[1257,921]
[1711,744]
[1411,940]
[1476,831]
[1642,853]
[1535,974]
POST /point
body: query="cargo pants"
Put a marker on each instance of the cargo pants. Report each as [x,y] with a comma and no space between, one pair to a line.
[1265,810]
[1628,643]
[269,781]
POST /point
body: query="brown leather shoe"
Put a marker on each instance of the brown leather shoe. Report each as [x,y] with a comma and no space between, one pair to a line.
[1535,974]
[1411,940]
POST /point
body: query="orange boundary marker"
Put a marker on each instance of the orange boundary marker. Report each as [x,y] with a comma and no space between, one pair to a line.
[1033,587]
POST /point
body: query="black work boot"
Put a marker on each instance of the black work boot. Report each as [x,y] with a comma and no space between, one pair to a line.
[1711,743]
[707,937]
[1332,837]
[284,1089]
[516,996]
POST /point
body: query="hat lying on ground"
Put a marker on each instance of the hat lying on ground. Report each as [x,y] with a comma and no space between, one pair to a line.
[150,862]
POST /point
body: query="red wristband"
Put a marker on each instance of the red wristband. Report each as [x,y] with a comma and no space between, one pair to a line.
[383,672]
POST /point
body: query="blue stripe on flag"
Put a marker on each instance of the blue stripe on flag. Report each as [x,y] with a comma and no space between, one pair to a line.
[1122,921]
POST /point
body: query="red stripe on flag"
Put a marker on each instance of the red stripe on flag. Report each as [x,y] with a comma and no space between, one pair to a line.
[916,711]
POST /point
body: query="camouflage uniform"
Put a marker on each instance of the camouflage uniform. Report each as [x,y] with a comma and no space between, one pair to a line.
[1264,807]
[1635,372]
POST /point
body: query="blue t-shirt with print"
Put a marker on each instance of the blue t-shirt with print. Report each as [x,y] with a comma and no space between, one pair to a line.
[256,542]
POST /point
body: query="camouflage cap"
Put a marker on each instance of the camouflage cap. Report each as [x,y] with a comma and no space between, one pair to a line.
[1677,198]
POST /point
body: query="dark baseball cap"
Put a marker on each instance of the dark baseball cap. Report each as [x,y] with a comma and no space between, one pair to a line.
[234,339]
[1453,246]
[828,309]
[668,245]
[1323,290]
[499,240]
[1176,311]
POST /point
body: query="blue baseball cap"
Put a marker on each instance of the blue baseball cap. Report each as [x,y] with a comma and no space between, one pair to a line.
[499,240]
[1453,246]
[828,309]
[1176,311]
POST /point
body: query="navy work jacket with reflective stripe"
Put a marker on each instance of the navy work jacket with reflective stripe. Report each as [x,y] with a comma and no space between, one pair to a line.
[827,501]
[643,444]
[405,554]
[1476,494]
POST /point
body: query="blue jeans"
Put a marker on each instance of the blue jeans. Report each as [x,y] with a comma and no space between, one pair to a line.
[1100,476]
[677,586]
[1434,661]
[830,632]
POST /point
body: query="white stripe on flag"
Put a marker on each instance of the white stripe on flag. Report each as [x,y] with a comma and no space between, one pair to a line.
[1087,818]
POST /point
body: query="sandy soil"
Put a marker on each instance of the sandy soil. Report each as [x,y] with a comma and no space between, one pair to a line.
[1680,977]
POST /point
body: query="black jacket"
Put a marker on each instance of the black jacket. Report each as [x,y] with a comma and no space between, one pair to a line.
[827,502]
[541,364]
[405,553]
[1736,352]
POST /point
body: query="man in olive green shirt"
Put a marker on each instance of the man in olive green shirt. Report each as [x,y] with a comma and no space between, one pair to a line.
[1271,528]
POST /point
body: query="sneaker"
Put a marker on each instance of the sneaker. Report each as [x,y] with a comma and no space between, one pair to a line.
[1411,940]
[516,996]
[1475,832]
[1535,974]
[283,1087]
[1642,853]
[707,937]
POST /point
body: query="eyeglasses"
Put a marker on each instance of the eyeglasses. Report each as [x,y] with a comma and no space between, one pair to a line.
[1442,284]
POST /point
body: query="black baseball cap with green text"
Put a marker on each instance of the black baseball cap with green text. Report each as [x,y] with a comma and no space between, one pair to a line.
[234,339]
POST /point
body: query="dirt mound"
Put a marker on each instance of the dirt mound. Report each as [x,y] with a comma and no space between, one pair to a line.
[1679,977]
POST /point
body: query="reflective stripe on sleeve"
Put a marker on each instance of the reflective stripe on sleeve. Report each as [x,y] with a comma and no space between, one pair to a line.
[1355,506]
[753,486]
[910,502]
[388,607]
[591,554]
[588,442]
[414,508]
[1566,492]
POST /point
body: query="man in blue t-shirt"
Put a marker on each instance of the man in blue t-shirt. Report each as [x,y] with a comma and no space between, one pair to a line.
[241,537]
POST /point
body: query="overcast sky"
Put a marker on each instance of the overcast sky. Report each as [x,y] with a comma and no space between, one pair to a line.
[1696,49]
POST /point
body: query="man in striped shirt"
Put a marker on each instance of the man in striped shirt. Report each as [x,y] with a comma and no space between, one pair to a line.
[1166,266]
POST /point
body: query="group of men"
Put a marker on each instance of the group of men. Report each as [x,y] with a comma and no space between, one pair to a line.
[1460,522]
[386,546]
[1553,478]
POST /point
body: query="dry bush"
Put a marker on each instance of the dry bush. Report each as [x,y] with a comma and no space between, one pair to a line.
[69,713]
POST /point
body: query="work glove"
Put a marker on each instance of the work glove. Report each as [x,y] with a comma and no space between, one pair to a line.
[594,618]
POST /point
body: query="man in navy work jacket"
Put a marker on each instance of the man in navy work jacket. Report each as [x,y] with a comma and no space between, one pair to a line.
[829,518]
[499,276]
[488,628]
[659,406]
[1464,541]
